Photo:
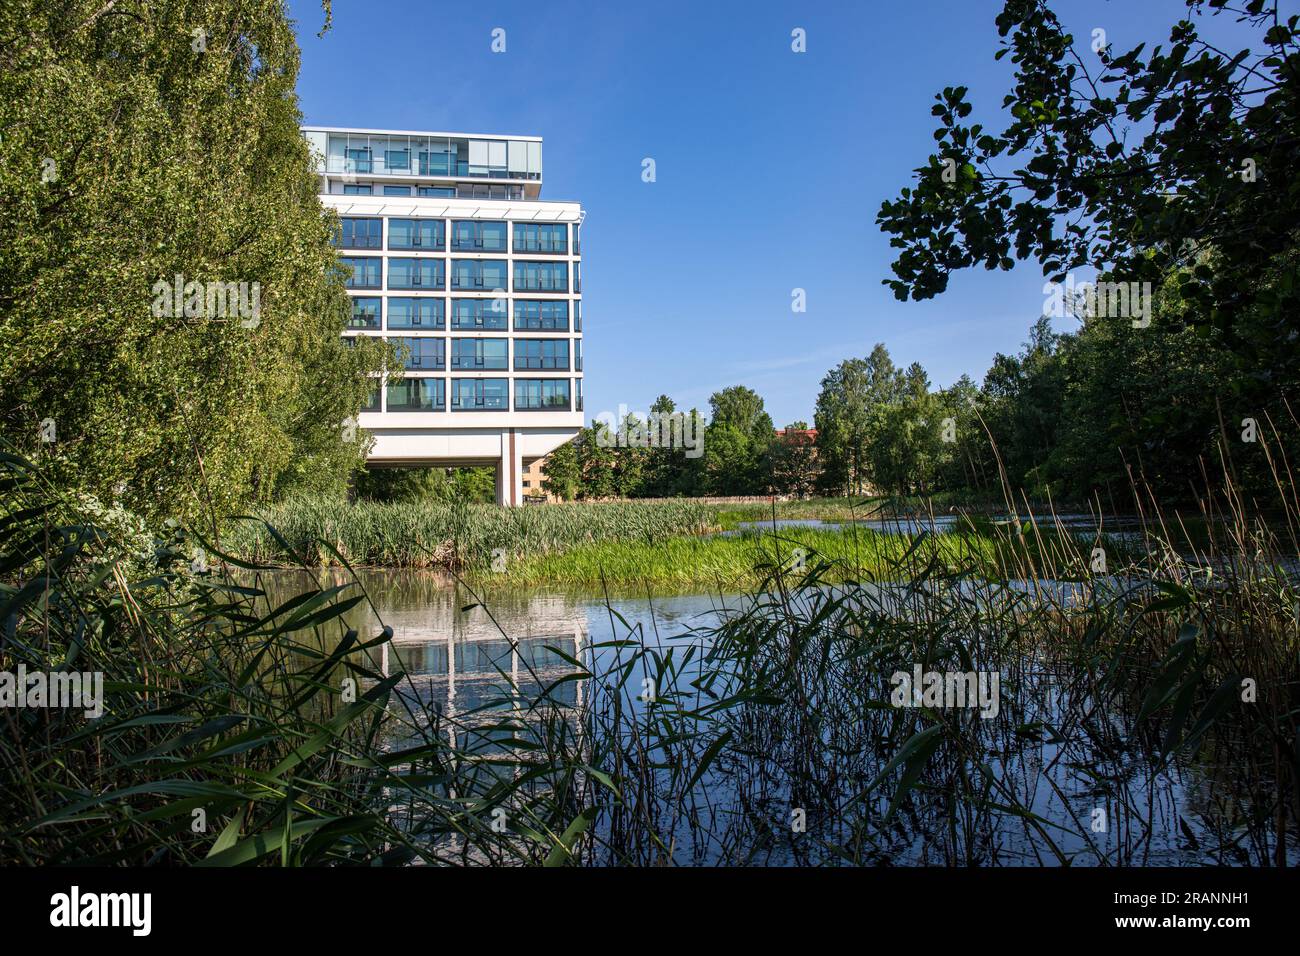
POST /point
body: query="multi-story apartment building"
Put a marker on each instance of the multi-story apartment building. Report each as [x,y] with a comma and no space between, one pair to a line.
[453,253]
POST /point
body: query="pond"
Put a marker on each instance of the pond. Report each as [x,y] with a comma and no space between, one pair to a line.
[1085,789]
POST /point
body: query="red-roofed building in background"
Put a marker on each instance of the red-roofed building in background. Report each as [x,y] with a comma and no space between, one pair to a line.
[802,436]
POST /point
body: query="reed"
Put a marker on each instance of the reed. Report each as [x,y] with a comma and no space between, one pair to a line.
[453,536]
[770,736]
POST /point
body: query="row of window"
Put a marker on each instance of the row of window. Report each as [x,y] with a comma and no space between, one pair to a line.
[430,354]
[433,156]
[531,315]
[477,394]
[459,191]
[467,235]
[476,275]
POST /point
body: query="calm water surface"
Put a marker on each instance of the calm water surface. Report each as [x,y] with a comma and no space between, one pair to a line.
[462,657]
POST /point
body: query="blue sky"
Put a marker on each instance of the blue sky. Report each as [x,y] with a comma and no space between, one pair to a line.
[770,165]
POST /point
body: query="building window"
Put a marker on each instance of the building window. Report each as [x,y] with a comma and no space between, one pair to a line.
[416,274]
[358,160]
[362,271]
[480,394]
[397,190]
[577,315]
[416,313]
[426,234]
[397,161]
[577,394]
[421,354]
[541,394]
[473,235]
[487,275]
[436,192]
[353,189]
[365,312]
[418,395]
[372,398]
[359,233]
[539,315]
[542,354]
[437,162]
[543,237]
[472,354]
[484,191]
[577,355]
[467,314]
[541,277]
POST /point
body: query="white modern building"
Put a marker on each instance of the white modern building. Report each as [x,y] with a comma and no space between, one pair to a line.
[452,252]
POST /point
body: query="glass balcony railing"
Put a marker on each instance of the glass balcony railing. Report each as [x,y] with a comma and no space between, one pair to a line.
[376,166]
[541,246]
[360,242]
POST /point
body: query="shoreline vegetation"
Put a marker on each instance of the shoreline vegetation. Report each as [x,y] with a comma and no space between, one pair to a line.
[667,546]
[219,699]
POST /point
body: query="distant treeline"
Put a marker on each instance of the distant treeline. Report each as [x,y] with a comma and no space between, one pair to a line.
[1071,415]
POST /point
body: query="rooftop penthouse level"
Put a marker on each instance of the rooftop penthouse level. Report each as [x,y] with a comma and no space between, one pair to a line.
[469,166]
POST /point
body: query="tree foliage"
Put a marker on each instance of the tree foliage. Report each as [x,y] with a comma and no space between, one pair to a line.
[1176,166]
[142,141]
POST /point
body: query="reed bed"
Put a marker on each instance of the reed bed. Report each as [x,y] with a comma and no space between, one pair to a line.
[738,560]
[450,536]
[724,564]
[1163,693]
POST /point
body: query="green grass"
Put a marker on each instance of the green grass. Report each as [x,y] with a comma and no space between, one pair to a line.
[738,562]
[710,563]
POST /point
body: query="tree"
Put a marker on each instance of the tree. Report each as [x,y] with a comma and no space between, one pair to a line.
[629,465]
[730,461]
[597,461]
[793,462]
[742,408]
[739,434]
[1175,164]
[142,142]
[1152,400]
[844,421]
[968,460]
[668,472]
[905,448]
[427,484]
[562,475]
[1024,400]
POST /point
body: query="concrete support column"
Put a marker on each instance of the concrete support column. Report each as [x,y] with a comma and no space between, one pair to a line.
[510,470]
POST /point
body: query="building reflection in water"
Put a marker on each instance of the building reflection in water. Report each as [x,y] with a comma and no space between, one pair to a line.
[467,660]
